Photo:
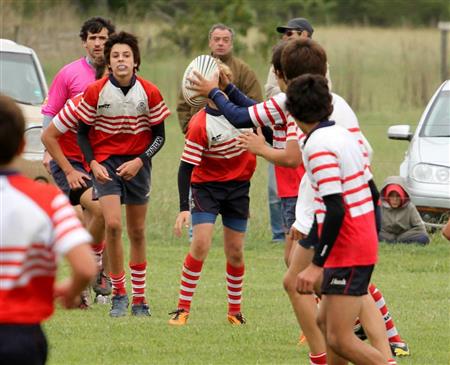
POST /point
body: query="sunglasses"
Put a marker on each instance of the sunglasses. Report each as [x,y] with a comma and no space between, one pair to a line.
[290,33]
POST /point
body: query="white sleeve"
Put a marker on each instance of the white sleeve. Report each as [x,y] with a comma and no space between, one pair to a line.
[304,209]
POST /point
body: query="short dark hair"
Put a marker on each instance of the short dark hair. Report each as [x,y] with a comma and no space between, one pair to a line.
[123,38]
[12,129]
[309,99]
[95,25]
[220,26]
[277,50]
[303,56]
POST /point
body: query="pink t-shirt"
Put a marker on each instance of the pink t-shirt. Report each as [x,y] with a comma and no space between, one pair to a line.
[71,80]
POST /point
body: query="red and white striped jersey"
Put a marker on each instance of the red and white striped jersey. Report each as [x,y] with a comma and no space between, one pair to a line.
[37,226]
[288,178]
[211,146]
[121,123]
[335,165]
[273,113]
[66,122]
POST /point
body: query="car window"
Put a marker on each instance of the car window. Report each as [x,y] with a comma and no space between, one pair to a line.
[20,78]
[437,123]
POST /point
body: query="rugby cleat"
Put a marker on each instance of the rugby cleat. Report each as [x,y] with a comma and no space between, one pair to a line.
[119,306]
[140,310]
[400,349]
[236,319]
[179,317]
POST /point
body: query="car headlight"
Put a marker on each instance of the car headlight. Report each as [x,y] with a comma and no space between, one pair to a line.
[33,143]
[432,174]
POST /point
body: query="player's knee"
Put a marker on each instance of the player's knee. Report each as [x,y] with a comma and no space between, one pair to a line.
[114,228]
[320,320]
[136,234]
[289,283]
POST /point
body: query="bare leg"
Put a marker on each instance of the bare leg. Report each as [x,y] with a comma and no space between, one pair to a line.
[373,325]
[233,246]
[136,232]
[95,223]
[113,222]
[304,306]
[341,312]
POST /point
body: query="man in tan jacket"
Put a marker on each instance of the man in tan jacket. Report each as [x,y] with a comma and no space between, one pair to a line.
[221,46]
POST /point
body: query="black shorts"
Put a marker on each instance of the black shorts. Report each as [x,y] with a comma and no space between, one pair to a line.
[352,280]
[60,179]
[134,191]
[22,344]
[230,199]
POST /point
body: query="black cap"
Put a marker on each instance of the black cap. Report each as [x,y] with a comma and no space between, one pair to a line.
[296,24]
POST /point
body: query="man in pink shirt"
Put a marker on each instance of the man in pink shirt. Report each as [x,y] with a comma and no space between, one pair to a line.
[73,78]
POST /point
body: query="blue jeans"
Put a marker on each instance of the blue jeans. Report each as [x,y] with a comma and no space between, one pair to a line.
[275,212]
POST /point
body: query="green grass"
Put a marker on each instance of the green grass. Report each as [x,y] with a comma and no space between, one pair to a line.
[413,279]
[387,78]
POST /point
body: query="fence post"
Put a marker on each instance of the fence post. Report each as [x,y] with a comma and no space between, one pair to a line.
[444,27]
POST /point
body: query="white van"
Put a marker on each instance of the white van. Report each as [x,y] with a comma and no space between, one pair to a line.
[22,78]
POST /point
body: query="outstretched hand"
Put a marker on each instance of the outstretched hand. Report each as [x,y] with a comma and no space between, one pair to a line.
[254,143]
[201,85]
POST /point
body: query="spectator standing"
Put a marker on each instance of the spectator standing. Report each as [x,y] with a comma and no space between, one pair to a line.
[221,46]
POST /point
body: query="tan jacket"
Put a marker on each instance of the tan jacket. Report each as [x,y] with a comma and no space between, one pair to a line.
[243,77]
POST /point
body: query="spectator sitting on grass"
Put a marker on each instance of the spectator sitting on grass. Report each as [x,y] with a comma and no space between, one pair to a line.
[400,220]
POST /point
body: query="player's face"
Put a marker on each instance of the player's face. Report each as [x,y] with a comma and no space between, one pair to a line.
[221,42]
[121,62]
[294,34]
[94,44]
[394,199]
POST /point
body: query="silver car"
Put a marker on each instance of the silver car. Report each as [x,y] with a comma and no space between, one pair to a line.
[23,80]
[426,167]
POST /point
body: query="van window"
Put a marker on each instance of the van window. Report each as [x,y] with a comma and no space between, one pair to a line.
[19,78]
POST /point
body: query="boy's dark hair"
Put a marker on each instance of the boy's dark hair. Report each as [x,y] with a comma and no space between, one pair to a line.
[277,50]
[123,38]
[12,129]
[303,56]
[309,99]
[95,25]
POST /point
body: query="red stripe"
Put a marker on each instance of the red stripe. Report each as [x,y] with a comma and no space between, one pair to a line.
[319,154]
[189,160]
[258,119]
[188,285]
[353,129]
[354,176]
[328,179]
[266,109]
[283,117]
[155,116]
[225,143]
[354,190]
[324,166]
[51,270]
[67,231]
[360,202]
[160,119]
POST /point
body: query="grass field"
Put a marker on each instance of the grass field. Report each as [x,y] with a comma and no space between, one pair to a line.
[414,281]
[387,78]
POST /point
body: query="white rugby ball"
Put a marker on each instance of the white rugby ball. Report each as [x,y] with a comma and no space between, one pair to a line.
[206,66]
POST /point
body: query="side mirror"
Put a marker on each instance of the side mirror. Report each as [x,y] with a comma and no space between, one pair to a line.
[400,132]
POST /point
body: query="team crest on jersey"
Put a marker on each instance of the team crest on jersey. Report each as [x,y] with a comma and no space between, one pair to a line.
[141,107]
[217,138]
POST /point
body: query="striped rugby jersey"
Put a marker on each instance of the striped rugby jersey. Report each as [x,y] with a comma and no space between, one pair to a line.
[335,165]
[121,123]
[37,226]
[66,122]
[211,146]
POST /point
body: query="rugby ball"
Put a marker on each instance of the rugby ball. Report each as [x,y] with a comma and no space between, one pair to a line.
[206,66]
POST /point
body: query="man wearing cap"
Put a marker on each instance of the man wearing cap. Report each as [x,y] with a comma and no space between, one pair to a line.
[221,46]
[294,29]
